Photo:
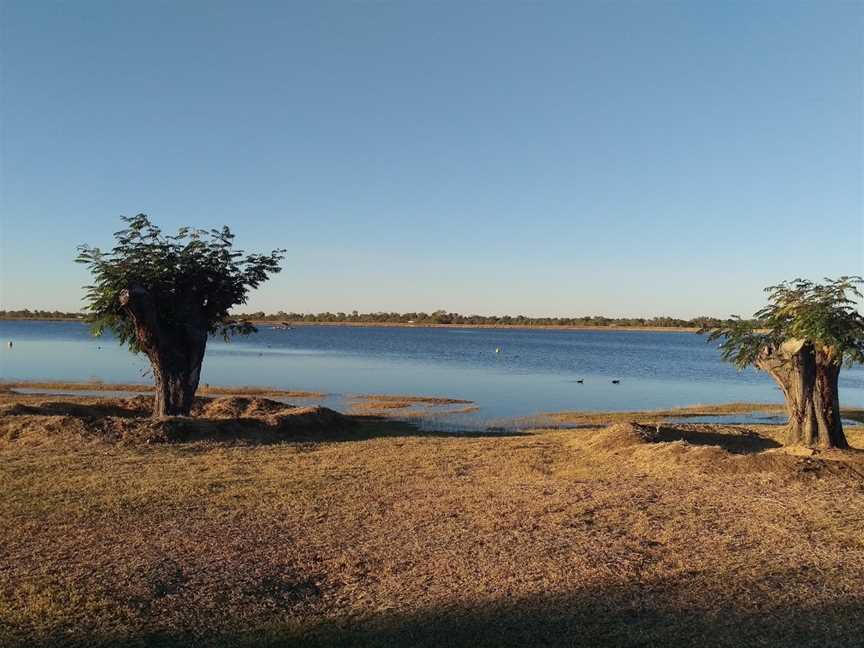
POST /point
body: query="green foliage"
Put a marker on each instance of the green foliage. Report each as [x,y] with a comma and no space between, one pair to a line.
[824,314]
[193,277]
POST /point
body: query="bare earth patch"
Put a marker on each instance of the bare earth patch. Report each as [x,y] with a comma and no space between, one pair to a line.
[366,532]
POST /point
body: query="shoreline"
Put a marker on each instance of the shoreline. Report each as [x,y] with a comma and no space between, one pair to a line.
[504,327]
[61,387]
[406,403]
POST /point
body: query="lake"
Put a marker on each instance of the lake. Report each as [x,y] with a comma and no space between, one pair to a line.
[535,370]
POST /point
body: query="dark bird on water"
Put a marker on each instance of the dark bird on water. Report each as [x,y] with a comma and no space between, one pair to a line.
[580,381]
[616,382]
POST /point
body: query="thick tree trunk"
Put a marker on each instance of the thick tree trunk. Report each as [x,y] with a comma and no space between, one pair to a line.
[175,353]
[808,380]
[826,401]
[176,373]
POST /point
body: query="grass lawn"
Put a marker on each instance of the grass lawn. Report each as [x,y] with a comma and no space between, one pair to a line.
[373,534]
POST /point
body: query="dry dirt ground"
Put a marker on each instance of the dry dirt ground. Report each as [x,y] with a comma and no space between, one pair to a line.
[253,523]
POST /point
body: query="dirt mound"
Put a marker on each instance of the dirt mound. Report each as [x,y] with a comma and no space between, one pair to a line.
[32,430]
[713,449]
[237,407]
[128,421]
[620,436]
[732,439]
[91,408]
[262,427]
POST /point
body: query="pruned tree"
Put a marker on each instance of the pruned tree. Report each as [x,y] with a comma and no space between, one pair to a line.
[165,295]
[802,338]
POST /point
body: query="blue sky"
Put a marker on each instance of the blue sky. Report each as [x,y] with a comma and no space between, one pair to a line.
[548,158]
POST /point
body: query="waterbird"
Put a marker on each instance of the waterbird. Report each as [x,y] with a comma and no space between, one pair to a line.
[616,382]
[9,344]
[580,381]
[497,349]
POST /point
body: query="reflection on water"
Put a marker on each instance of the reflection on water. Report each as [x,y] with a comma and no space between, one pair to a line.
[536,370]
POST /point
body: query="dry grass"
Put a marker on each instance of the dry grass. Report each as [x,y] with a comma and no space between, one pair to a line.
[633,535]
[657,416]
[651,416]
[407,406]
[33,420]
[204,390]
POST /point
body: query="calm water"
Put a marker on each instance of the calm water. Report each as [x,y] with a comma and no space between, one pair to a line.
[535,371]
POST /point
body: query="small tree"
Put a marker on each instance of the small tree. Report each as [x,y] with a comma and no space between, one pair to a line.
[165,295]
[802,338]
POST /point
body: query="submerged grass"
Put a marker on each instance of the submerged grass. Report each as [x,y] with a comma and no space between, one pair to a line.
[377,535]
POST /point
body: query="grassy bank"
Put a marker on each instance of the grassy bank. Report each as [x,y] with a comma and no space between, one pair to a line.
[361,531]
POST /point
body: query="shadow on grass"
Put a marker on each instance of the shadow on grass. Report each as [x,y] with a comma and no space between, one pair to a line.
[310,430]
[744,442]
[614,617]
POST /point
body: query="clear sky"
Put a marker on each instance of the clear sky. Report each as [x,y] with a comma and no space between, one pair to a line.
[618,158]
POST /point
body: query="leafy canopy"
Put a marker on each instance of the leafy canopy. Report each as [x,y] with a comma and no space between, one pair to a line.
[824,315]
[193,278]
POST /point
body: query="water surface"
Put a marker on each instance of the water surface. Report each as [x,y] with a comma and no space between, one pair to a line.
[535,370]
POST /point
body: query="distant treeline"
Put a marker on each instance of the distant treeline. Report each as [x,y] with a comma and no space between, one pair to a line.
[444,317]
[437,317]
[38,314]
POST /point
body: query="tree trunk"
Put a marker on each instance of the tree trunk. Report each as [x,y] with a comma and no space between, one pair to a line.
[175,353]
[808,380]
[176,373]
[826,401]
